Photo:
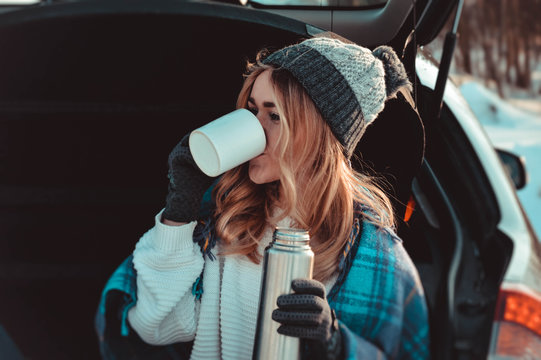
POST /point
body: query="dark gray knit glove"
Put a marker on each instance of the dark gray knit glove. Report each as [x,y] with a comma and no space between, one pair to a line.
[306,314]
[187,184]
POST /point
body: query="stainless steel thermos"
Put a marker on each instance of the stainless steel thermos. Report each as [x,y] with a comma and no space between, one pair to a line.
[288,257]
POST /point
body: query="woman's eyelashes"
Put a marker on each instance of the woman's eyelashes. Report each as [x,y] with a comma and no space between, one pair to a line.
[273,116]
[253,110]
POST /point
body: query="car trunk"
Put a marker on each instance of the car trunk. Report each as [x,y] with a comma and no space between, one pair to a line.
[93,96]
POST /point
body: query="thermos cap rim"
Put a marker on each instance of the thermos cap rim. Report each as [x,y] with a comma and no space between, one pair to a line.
[291,234]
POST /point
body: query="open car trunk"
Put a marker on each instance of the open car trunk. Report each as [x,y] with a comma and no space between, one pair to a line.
[93,96]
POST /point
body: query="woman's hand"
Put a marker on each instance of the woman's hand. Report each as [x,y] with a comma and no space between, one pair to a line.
[306,314]
[187,184]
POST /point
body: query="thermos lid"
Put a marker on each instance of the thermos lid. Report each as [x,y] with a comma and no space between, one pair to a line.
[291,234]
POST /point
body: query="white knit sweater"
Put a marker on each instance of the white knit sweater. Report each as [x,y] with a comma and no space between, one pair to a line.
[223,323]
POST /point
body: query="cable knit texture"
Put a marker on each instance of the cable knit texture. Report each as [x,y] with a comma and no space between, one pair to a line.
[167,263]
[362,71]
[223,323]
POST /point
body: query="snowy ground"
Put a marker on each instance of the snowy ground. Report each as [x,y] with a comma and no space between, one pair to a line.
[513,124]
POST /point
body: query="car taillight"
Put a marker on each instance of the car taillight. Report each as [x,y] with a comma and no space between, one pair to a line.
[517,324]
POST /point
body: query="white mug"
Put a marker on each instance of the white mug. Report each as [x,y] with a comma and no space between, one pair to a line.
[227,142]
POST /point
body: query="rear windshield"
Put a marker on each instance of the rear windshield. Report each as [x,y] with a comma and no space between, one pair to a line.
[323,3]
[18,2]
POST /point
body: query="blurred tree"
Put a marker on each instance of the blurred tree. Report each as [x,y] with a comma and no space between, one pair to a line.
[500,41]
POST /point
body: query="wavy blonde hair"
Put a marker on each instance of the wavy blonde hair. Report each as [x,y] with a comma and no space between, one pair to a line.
[317,187]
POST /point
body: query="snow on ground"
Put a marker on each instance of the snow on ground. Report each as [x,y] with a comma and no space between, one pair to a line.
[513,125]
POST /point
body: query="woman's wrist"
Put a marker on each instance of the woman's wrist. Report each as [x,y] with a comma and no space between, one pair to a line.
[172,223]
[170,235]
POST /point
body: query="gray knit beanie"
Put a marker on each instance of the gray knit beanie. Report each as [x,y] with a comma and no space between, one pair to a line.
[348,83]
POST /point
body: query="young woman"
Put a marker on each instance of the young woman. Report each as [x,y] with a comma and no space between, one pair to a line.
[198,273]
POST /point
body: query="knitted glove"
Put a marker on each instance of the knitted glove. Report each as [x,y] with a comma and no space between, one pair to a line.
[187,184]
[306,314]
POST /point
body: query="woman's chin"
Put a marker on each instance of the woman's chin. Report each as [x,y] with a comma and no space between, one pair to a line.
[263,172]
[255,174]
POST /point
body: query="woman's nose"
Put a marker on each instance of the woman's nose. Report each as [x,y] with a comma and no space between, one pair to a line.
[259,117]
[264,126]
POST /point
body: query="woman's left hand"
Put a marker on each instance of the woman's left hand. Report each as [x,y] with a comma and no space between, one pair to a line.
[306,314]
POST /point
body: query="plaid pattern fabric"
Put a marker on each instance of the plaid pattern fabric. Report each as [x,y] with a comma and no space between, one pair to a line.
[381,300]
[123,280]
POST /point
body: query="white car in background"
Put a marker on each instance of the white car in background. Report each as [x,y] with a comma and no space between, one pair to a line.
[94,94]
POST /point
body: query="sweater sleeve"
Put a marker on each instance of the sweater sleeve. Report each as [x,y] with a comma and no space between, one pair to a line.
[168,263]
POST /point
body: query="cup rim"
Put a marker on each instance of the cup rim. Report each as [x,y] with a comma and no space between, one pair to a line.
[202,167]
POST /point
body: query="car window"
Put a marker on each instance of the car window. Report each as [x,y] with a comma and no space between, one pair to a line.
[18,2]
[322,3]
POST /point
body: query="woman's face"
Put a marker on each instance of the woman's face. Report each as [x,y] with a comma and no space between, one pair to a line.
[265,168]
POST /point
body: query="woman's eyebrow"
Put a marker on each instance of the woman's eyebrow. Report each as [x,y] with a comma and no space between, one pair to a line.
[267,104]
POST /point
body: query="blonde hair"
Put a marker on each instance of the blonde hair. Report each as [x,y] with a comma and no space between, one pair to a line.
[317,187]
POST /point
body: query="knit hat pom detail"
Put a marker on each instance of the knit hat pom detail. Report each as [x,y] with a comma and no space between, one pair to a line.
[395,73]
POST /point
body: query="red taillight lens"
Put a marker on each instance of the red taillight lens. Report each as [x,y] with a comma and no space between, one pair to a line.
[522,309]
[517,331]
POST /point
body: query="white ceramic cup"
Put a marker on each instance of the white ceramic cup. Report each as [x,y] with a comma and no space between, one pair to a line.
[227,142]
